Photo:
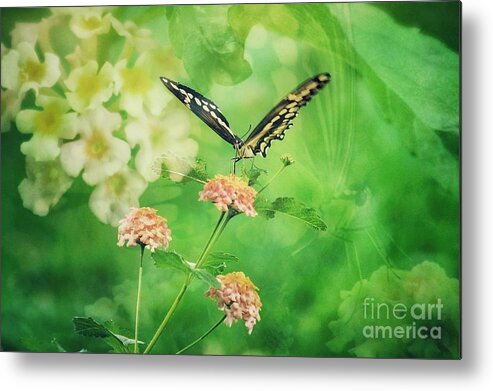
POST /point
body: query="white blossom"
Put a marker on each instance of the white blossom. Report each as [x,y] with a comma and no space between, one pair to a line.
[113,198]
[98,153]
[48,126]
[45,184]
[163,137]
[22,70]
[89,89]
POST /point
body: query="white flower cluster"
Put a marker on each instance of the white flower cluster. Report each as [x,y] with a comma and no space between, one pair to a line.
[105,120]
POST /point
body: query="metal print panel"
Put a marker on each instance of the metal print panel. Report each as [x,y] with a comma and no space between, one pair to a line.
[261,179]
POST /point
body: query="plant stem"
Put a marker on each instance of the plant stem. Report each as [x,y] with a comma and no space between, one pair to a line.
[137,306]
[218,229]
[202,336]
[167,317]
[272,179]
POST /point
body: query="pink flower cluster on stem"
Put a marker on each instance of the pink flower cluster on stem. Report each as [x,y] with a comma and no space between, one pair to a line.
[144,227]
[238,298]
[230,191]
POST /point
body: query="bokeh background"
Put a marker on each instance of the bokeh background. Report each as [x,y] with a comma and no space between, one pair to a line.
[377,156]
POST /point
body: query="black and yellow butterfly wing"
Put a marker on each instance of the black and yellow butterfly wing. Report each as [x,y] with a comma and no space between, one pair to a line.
[203,108]
[280,118]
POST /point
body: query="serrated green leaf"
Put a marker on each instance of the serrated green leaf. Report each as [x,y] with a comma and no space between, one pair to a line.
[197,172]
[216,262]
[170,259]
[290,207]
[219,257]
[207,277]
[88,327]
[264,207]
[253,174]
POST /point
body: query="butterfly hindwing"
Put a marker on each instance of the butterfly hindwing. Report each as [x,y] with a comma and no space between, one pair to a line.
[280,118]
[203,108]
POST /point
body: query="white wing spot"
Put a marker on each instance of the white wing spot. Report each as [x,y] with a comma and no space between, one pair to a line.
[197,100]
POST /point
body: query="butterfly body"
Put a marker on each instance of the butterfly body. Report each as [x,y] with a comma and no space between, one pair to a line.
[272,127]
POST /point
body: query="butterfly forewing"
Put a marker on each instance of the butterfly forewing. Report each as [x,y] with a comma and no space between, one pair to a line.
[203,108]
[280,118]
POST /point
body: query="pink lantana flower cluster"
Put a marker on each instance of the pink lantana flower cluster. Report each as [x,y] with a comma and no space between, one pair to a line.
[230,191]
[238,298]
[144,227]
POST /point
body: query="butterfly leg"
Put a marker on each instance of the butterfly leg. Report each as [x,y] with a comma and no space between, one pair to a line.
[253,164]
[234,160]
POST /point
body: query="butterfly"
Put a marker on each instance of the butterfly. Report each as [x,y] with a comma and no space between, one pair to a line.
[271,128]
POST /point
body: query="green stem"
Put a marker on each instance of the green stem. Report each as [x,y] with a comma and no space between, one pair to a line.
[202,336]
[272,179]
[168,316]
[218,229]
[137,306]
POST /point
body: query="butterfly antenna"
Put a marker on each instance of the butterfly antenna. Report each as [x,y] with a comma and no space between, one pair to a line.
[248,131]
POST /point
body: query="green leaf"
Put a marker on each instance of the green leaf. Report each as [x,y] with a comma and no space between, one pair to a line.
[264,207]
[196,172]
[253,174]
[170,259]
[421,70]
[202,37]
[290,207]
[219,257]
[216,262]
[311,23]
[207,277]
[88,327]
[416,92]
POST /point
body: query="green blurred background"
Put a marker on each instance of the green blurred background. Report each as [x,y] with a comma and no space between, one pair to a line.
[377,156]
